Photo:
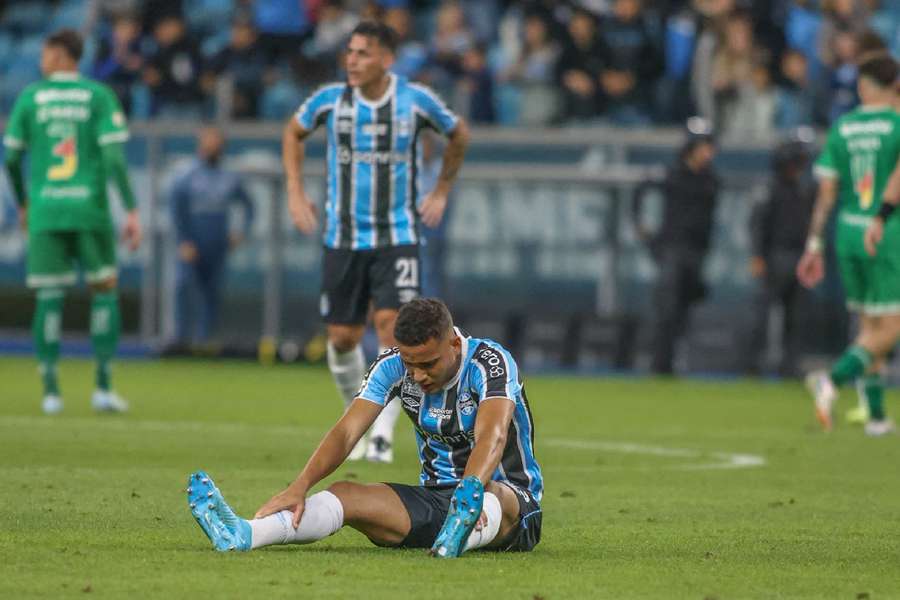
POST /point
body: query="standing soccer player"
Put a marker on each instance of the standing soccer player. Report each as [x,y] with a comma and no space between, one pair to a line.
[73,130]
[371,256]
[860,153]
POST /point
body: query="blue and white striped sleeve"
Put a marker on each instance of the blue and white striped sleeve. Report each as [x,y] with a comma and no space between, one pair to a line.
[315,108]
[496,373]
[432,108]
[384,374]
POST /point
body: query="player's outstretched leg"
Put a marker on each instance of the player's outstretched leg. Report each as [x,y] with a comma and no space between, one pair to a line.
[224,529]
[323,516]
[46,330]
[465,510]
[106,323]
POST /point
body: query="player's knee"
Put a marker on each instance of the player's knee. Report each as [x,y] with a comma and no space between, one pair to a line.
[343,340]
[106,285]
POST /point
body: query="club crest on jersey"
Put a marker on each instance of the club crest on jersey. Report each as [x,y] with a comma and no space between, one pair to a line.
[411,394]
[466,404]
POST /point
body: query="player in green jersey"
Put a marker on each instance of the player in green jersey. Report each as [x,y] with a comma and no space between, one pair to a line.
[73,130]
[860,154]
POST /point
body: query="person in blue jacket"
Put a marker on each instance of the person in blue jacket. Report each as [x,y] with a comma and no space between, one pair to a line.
[201,201]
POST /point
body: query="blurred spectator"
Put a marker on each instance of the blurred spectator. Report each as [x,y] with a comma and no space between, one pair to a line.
[283,26]
[680,246]
[795,98]
[752,113]
[713,16]
[412,55]
[631,64]
[732,67]
[580,68]
[173,71]
[119,62]
[680,40]
[534,73]
[885,21]
[477,87]
[200,201]
[451,41]
[779,228]
[842,17]
[434,242]
[802,27]
[332,31]
[245,65]
[842,75]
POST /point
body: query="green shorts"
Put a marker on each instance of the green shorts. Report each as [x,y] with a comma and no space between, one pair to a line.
[54,257]
[872,285]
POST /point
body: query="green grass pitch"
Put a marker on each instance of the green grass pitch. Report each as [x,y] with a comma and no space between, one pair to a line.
[654,489]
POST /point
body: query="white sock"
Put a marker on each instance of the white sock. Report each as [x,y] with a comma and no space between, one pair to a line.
[348,370]
[384,424]
[490,508]
[323,515]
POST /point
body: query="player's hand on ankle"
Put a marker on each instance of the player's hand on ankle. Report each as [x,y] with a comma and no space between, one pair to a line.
[293,498]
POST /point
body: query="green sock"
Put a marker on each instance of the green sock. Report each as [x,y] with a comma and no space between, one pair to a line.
[871,387]
[852,364]
[46,329]
[106,324]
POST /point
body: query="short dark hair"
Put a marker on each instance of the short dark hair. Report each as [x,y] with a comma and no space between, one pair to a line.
[383,34]
[69,40]
[421,320]
[881,69]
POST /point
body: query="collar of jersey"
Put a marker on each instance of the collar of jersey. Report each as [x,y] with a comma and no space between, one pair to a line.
[875,108]
[384,97]
[64,76]
[463,352]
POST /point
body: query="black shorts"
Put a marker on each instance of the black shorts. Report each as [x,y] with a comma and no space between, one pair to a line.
[352,279]
[428,506]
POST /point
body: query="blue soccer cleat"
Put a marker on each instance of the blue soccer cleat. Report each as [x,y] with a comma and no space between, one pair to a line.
[224,529]
[465,510]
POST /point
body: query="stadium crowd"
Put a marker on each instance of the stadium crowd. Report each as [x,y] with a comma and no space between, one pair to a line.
[750,67]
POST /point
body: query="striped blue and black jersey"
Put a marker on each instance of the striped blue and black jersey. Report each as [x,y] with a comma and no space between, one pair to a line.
[373,159]
[445,421]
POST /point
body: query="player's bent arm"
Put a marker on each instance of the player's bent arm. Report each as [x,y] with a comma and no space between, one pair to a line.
[293,153]
[824,203]
[454,154]
[338,442]
[491,426]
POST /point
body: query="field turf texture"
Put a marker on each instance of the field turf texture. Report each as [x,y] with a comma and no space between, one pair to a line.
[655,488]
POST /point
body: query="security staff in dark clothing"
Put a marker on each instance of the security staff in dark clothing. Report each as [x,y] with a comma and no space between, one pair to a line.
[680,246]
[779,229]
[201,201]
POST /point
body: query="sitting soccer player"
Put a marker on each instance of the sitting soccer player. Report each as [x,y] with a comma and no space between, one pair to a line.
[480,483]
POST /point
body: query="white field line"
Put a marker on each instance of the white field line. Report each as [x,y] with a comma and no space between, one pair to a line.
[707,460]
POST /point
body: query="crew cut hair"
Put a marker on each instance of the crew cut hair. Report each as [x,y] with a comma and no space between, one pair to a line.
[69,40]
[383,34]
[421,320]
[881,69]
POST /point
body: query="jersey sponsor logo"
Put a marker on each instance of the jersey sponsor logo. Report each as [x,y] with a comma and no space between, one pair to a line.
[456,439]
[62,95]
[346,155]
[878,126]
[375,129]
[491,359]
[466,403]
[440,414]
[65,112]
[411,394]
[69,191]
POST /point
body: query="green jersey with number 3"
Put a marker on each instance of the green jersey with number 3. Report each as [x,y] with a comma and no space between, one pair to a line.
[861,152]
[63,122]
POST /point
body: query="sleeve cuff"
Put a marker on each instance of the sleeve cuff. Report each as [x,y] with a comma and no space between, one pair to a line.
[13,142]
[113,138]
[823,172]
